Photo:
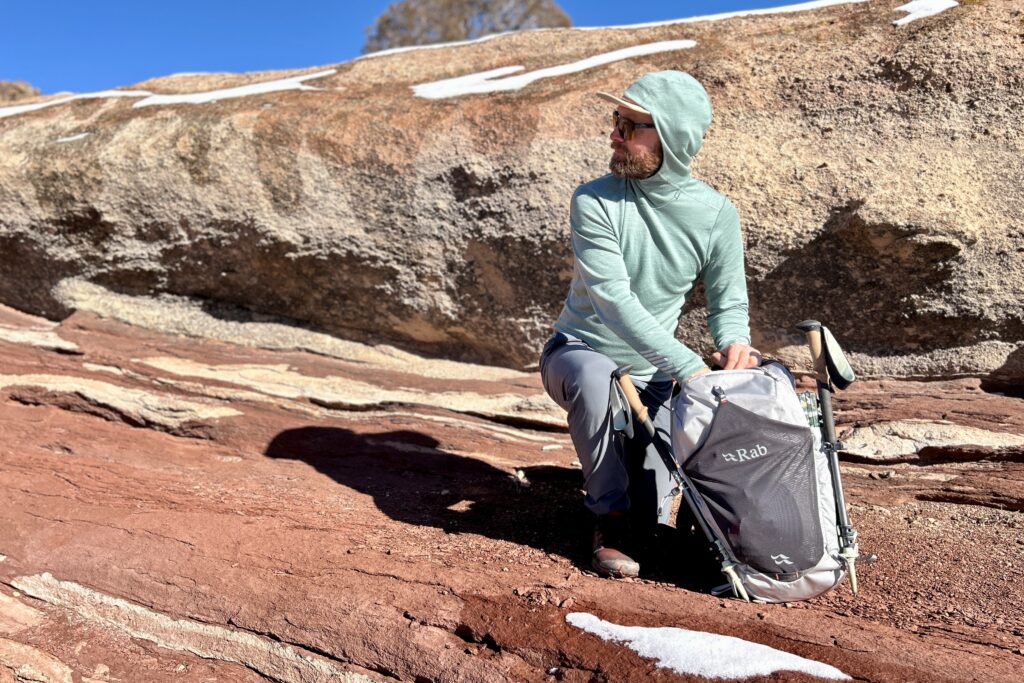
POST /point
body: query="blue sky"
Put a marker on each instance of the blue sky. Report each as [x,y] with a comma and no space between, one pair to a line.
[89,45]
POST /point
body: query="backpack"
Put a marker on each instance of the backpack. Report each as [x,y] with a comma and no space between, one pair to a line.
[762,479]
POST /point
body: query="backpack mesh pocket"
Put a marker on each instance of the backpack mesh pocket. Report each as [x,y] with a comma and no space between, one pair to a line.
[756,476]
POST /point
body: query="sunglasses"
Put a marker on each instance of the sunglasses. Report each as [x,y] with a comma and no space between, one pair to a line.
[627,127]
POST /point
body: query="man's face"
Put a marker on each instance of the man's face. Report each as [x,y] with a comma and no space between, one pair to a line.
[639,157]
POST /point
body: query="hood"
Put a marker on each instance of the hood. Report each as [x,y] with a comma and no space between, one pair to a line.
[681,110]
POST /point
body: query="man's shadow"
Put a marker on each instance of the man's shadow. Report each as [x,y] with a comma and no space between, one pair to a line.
[413,481]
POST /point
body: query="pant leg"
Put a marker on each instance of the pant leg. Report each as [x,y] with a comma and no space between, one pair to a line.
[578,378]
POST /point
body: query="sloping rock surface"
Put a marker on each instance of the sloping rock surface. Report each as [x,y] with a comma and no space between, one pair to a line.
[263,534]
[875,168]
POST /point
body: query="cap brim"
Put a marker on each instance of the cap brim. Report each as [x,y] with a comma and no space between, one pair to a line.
[623,103]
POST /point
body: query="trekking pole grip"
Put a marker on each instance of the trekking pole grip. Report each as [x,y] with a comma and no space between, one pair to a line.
[621,375]
[812,331]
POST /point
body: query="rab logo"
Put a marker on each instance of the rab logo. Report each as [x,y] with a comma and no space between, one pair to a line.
[780,559]
[743,454]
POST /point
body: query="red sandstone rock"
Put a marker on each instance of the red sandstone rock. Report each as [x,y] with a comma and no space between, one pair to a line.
[398,541]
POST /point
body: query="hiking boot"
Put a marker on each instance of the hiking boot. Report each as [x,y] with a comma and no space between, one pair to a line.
[610,534]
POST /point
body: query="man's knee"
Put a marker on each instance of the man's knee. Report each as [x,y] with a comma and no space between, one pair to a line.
[579,377]
[588,388]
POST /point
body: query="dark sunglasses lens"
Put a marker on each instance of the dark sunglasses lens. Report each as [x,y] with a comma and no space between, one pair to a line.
[623,125]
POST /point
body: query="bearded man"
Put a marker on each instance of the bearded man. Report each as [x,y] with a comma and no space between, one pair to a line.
[642,238]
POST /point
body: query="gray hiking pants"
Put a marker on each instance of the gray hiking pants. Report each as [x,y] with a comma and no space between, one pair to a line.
[620,473]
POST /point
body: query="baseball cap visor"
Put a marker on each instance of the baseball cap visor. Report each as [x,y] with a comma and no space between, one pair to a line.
[628,104]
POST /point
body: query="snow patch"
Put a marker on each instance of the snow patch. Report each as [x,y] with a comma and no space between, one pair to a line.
[291,83]
[434,46]
[919,9]
[22,108]
[702,654]
[801,7]
[72,138]
[149,99]
[499,79]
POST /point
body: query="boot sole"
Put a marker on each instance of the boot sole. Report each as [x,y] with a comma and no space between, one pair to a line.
[630,571]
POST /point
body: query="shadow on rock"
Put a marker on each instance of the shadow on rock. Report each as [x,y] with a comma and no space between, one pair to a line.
[413,481]
[879,285]
[1009,378]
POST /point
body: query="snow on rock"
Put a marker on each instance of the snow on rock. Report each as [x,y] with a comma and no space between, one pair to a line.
[918,9]
[800,7]
[499,79]
[434,46]
[702,654]
[290,83]
[149,99]
[22,108]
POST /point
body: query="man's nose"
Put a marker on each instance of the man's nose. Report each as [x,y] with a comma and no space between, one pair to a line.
[616,136]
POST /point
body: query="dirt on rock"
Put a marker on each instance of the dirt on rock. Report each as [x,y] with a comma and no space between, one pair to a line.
[285,540]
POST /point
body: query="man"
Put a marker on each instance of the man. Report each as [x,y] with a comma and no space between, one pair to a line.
[642,237]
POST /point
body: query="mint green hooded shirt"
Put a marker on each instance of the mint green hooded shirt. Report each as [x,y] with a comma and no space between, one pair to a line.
[642,245]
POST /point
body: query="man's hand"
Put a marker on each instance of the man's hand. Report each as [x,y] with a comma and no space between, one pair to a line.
[737,356]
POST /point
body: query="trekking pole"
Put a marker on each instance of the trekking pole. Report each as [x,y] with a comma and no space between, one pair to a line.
[682,482]
[847,534]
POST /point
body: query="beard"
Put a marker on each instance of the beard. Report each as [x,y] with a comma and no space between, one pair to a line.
[636,165]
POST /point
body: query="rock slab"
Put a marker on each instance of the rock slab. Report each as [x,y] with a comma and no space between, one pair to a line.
[283,539]
[874,166]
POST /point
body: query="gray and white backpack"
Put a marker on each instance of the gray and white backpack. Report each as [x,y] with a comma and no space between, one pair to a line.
[762,477]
